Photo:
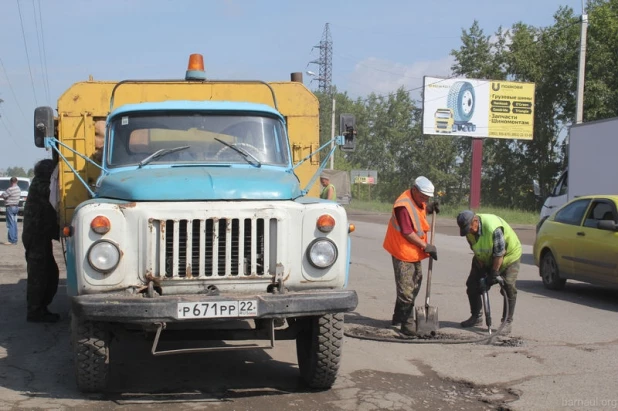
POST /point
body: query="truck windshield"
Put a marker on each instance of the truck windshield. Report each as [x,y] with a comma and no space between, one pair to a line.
[136,136]
[22,184]
[443,114]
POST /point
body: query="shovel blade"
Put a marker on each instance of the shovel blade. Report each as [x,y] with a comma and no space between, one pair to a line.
[427,320]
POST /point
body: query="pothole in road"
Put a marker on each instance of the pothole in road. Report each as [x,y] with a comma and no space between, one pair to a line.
[390,334]
[509,342]
[379,390]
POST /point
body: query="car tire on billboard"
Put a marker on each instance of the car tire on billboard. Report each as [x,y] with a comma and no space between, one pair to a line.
[462,100]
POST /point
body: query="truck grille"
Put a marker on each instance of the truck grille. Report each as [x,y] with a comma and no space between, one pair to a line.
[213,248]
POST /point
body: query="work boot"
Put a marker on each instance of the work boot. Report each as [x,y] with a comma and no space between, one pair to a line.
[474,321]
[476,305]
[408,325]
[512,302]
[509,319]
[507,328]
[409,328]
[42,316]
[396,321]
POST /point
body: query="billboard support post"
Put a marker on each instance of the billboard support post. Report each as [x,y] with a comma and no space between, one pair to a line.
[475,176]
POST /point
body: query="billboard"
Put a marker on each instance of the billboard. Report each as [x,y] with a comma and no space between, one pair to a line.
[364,176]
[478,108]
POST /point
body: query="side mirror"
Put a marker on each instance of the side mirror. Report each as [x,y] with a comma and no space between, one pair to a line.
[347,128]
[608,225]
[536,188]
[43,125]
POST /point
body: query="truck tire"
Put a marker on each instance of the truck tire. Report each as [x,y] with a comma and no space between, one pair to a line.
[90,341]
[461,100]
[318,349]
[550,274]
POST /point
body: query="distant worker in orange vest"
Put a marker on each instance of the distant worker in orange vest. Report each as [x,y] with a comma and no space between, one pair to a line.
[328,190]
[406,241]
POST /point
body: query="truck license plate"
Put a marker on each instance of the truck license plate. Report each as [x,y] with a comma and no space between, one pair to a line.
[217,309]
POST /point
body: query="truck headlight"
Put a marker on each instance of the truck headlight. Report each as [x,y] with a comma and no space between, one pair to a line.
[104,256]
[322,253]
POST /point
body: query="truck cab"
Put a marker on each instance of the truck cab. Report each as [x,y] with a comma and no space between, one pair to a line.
[198,226]
[444,120]
[557,197]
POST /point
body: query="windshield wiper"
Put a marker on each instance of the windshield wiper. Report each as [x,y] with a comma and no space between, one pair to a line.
[160,153]
[246,155]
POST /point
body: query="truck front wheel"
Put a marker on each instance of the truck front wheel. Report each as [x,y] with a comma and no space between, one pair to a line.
[318,348]
[90,342]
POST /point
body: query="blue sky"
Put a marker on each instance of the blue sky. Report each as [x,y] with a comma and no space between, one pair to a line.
[377,45]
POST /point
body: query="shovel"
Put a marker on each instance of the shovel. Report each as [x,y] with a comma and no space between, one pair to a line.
[427,317]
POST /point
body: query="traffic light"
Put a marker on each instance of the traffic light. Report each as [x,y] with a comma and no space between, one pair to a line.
[347,128]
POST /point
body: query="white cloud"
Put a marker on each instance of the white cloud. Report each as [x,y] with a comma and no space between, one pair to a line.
[384,76]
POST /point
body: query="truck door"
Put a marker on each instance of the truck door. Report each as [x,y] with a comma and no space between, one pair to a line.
[597,259]
[558,196]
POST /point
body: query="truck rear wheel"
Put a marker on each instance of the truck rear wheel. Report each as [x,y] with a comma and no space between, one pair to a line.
[90,354]
[318,348]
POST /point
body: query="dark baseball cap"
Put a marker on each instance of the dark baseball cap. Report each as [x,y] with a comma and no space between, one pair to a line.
[463,221]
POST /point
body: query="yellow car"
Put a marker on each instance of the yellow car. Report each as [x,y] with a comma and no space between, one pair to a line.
[580,242]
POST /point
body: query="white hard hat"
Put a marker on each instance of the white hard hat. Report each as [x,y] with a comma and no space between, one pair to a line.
[424,186]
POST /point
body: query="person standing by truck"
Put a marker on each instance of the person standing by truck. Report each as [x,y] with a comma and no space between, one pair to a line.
[328,190]
[406,241]
[11,197]
[40,228]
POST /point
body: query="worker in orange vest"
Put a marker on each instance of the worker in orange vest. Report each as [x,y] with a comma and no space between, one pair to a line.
[406,240]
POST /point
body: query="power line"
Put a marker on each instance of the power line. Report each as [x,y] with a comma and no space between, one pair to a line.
[23,34]
[9,132]
[541,37]
[379,96]
[41,49]
[6,74]
[375,68]
[6,119]
[391,34]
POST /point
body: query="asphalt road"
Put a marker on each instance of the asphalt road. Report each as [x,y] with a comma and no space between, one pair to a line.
[563,353]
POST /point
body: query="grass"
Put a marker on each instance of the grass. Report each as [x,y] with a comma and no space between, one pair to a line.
[511,216]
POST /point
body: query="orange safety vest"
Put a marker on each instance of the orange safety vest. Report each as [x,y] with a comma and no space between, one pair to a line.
[394,242]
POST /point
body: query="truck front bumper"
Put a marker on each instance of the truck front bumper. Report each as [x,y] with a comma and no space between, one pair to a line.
[138,309]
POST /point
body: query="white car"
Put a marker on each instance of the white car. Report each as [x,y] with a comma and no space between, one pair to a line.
[23,183]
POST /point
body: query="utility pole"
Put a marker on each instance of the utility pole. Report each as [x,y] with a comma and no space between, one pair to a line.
[579,112]
[332,136]
[325,63]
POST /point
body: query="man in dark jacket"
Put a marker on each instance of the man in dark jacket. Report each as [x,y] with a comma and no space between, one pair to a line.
[40,228]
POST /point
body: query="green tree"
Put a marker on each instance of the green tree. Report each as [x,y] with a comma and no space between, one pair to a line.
[389,143]
[548,57]
[601,80]
[16,172]
[480,57]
